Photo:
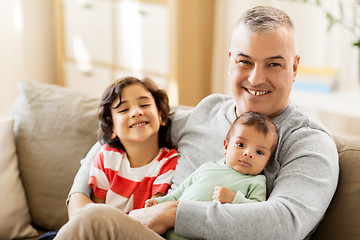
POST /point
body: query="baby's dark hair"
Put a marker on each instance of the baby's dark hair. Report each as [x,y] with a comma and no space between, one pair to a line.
[113,92]
[261,122]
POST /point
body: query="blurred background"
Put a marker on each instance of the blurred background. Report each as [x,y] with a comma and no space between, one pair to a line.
[181,44]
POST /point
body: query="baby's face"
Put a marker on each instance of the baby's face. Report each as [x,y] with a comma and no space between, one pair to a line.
[248,150]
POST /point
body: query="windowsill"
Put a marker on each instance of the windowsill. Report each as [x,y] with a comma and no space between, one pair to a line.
[342,103]
[339,111]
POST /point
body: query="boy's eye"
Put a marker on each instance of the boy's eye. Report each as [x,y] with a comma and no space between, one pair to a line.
[123,110]
[145,105]
[240,144]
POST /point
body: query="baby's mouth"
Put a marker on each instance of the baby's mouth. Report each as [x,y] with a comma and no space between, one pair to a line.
[243,163]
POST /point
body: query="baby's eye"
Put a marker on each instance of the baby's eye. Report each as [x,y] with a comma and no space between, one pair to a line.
[145,105]
[260,152]
[240,145]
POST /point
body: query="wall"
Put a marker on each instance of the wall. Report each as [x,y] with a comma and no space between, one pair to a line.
[27,46]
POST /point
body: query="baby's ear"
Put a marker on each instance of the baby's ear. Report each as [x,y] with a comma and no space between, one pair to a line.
[225,146]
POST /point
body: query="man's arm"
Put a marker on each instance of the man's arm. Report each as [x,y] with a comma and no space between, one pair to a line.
[159,218]
[302,191]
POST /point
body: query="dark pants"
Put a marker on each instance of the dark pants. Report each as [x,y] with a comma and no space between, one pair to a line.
[49,235]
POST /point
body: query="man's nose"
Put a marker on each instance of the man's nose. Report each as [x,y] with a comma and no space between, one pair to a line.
[257,76]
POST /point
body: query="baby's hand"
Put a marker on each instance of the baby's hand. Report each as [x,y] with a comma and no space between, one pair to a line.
[223,194]
[150,202]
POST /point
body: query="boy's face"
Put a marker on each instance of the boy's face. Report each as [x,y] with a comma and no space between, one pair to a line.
[136,119]
[248,150]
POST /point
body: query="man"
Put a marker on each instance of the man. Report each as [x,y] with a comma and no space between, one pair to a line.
[300,182]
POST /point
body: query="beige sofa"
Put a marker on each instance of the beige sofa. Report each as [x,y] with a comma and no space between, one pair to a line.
[52,128]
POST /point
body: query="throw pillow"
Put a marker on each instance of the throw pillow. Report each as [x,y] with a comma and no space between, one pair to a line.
[14,214]
[54,127]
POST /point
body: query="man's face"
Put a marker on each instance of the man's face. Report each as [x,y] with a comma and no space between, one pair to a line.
[262,69]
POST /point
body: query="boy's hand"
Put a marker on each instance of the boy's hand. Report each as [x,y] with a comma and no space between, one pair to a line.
[223,194]
[150,202]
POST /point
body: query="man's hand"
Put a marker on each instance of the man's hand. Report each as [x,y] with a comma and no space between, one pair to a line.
[223,194]
[159,218]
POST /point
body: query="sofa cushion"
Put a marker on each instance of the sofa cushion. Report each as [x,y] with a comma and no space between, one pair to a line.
[54,128]
[14,215]
[342,219]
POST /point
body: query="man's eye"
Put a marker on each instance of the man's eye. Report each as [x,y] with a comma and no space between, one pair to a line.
[275,65]
[240,145]
[244,62]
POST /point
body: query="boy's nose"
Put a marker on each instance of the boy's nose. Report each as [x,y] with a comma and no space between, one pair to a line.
[136,112]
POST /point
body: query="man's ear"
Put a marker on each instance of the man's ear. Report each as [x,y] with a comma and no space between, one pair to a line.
[295,66]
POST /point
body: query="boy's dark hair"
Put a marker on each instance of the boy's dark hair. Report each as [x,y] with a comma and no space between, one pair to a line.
[113,92]
[261,122]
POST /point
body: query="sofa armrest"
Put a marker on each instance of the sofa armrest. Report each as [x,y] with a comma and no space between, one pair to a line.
[342,219]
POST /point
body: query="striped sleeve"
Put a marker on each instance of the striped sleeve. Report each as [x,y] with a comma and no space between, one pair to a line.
[98,180]
[163,181]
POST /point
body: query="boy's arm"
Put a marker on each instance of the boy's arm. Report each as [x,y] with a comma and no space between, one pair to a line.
[76,202]
[80,192]
[96,199]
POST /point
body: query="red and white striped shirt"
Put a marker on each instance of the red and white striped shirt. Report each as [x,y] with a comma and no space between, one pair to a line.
[126,188]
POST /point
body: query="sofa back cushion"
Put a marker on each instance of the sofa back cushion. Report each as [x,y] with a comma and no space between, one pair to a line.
[54,129]
[342,219]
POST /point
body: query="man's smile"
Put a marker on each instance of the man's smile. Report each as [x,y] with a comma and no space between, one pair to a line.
[256,92]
